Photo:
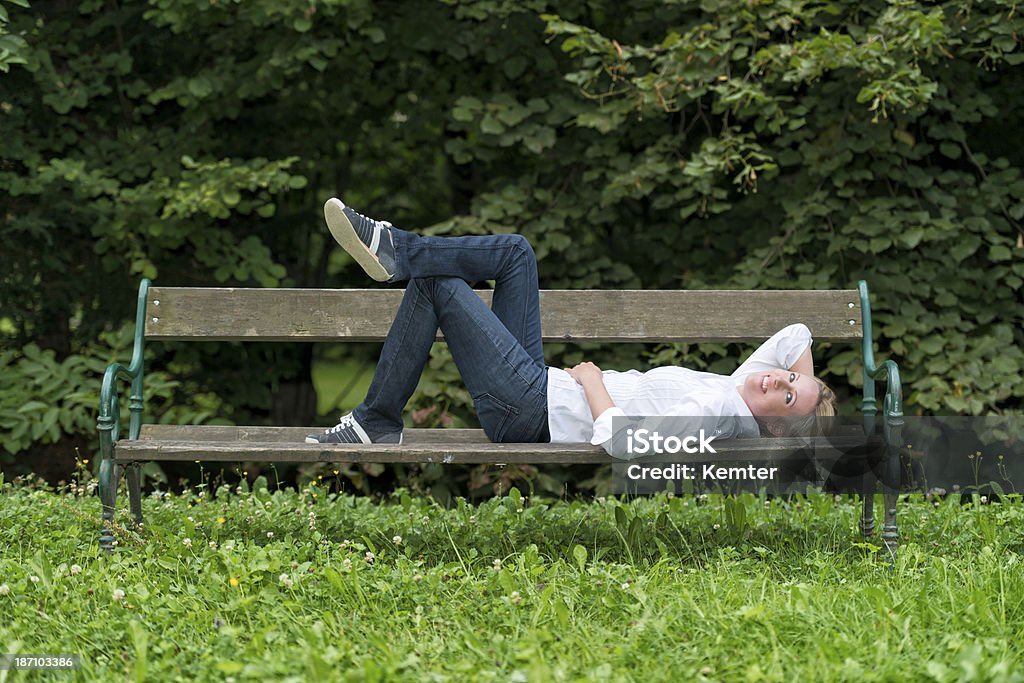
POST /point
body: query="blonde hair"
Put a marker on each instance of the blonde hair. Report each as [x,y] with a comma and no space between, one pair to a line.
[824,409]
[818,423]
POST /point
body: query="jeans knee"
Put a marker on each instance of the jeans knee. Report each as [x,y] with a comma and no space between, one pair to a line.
[522,243]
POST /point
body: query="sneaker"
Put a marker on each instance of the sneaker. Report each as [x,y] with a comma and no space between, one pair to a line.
[349,431]
[368,241]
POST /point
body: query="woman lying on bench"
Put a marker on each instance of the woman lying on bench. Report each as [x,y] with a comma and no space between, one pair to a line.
[518,398]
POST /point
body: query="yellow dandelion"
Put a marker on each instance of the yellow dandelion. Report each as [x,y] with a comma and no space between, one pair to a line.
[85,462]
[221,520]
[233,581]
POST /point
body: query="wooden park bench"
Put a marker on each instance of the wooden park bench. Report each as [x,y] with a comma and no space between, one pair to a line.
[333,315]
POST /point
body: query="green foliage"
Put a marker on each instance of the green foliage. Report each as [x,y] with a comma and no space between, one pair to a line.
[638,145]
[45,398]
[13,48]
[832,143]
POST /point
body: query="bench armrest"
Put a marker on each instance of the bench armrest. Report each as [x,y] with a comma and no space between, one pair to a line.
[109,421]
[892,403]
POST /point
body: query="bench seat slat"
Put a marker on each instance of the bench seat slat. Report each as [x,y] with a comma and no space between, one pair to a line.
[294,434]
[448,453]
[324,315]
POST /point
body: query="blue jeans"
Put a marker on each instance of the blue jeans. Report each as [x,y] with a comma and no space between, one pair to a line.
[497,349]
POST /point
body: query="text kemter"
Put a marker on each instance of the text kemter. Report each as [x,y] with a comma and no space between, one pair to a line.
[712,472]
[647,441]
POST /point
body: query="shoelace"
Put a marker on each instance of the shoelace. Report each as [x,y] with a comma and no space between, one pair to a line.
[377,224]
[343,423]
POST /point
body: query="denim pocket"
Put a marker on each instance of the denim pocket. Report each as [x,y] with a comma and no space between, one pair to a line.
[495,415]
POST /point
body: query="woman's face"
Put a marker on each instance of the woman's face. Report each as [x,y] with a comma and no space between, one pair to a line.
[780,393]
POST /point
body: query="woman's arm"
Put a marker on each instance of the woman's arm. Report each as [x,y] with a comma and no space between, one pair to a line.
[804,364]
[589,376]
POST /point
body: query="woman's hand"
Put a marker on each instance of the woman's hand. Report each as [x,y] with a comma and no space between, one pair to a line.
[585,372]
[589,376]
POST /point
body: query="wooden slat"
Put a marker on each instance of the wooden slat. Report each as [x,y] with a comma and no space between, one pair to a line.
[414,437]
[466,453]
[567,315]
[294,434]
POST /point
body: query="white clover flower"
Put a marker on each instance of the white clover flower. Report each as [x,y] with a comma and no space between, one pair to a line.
[213,545]
[716,526]
[472,519]
[34,578]
[984,499]
[625,585]
[285,580]
[4,589]
[75,569]
[190,519]
[496,565]
[346,563]
[270,534]
[397,540]
[515,598]
[117,595]
[370,557]
[187,542]
[519,509]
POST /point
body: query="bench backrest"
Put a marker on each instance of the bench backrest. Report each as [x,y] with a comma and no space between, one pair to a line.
[322,315]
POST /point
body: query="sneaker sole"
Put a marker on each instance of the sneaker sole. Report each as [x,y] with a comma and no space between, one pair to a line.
[345,235]
[310,439]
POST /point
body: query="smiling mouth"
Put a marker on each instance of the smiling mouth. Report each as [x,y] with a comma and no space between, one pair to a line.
[764,384]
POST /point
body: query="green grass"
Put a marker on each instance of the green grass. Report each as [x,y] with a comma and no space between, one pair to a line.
[277,586]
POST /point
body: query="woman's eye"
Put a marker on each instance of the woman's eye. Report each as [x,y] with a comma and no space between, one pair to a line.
[792,377]
[789,397]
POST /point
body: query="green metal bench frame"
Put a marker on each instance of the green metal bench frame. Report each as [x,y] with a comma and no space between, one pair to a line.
[567,315]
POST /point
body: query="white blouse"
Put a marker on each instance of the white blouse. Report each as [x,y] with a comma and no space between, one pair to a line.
[669,392]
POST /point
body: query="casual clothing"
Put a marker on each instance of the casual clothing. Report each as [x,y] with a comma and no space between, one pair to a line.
[498,352]
[497,349]
[712,400]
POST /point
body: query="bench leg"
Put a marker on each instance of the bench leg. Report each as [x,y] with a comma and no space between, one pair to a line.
[133,475]
[867,517]
[108,498]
